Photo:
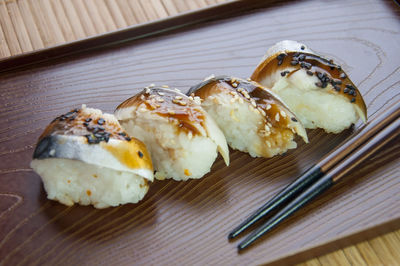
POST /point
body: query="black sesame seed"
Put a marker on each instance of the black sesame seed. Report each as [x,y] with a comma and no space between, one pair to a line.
[307,65]
[350,87]
[90,128]
[98,135]
[346,90]
[62,118]
[294,62]
[101,121]
[320,75]
[88,119]
[296,54]
[294,119]
[91,138]
[342,76]
[353,100]
[101,128]
[122,133]
[127,138]
[140,154]
[85,124]
[310,73]
[324,84]
[338,81]
[280,57]
[302,57]
[107,138]
[302,47]
[318,84]
[284,73]
[72,118]
[337,88]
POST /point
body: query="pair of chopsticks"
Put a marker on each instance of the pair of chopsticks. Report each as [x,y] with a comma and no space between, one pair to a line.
[324,174]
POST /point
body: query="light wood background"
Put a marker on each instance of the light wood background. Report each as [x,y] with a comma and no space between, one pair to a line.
[27,25]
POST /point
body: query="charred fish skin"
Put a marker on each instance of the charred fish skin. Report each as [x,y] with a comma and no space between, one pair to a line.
[237,104]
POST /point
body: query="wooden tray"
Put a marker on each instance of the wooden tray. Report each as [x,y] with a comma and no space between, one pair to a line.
[188,222]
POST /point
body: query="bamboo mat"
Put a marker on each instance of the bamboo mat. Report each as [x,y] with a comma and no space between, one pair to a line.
[27,25]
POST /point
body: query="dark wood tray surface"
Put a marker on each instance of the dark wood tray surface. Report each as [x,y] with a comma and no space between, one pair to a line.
[187,222]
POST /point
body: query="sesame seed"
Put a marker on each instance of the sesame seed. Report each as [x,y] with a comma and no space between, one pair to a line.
[283,114]
[241,101]
[234,84]
[88,119]
[302,57]
[122,133]
[293,119]
[280,57]
[262,111]
[310,73]
[268,107]
[277,117]
[171,112]
[182,103]
[253,103]
[160,100]
[140,154]
[160,93]
[337,88]
[267,128]
[142,97]
[178,97]
[164,86]
[346,90]
[147,91]
[318,84]
[294,62]
[269,124]
[85,124]
[302,47]
[127,138]
[353,100]
[101,121]
[342,76]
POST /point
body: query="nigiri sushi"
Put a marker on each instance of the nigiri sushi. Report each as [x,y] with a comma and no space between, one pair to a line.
[253,119]
[317,90]
[85,157]
[182,138]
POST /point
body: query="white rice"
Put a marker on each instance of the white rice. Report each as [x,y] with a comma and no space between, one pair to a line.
[242,126]
[313,106]
[175,153]
[72,181]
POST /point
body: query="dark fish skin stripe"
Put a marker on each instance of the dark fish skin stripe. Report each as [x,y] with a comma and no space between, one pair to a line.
[194,88]
[43,148]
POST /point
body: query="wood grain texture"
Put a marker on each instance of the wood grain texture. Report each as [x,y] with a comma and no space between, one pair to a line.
[188,222]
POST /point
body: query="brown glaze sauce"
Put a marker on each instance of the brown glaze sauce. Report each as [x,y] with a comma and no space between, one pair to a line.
[78,123]
[262,99]
[177,107]
[326,71]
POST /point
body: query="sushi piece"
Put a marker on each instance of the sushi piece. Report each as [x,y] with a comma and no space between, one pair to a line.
[182,138]
[85,157]
[253,119]
[317,90]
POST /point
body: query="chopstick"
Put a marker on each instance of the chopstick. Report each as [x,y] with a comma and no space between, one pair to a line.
[324,174]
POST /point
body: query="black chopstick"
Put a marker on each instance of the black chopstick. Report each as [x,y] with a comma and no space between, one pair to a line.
[318,170]
[315,173]
[328,180]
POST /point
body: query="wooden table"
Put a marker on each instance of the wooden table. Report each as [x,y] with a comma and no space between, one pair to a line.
[28,25]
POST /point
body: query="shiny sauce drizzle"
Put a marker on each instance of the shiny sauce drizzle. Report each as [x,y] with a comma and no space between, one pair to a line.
[177,107]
